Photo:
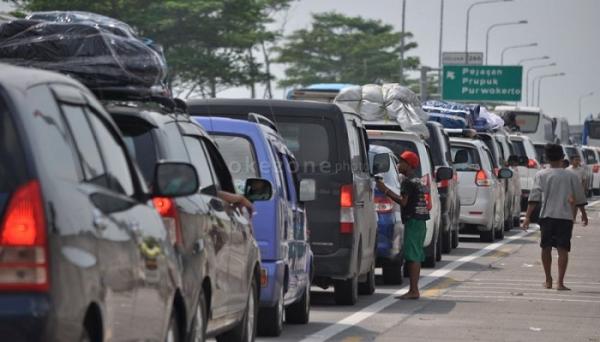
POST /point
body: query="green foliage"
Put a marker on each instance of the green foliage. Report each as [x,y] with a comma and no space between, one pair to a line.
[344,49]
[208,43]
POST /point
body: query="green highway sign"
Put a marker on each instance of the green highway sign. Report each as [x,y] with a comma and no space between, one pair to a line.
[482,83]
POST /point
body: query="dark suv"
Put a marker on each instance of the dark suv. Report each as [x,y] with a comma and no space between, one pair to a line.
[219,257]
[84,256]
[331,147]
[439,142]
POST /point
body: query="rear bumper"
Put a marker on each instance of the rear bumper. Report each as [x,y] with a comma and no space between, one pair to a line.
[390,237]
[24,317]
[337,265]
[269,292]
[480,213]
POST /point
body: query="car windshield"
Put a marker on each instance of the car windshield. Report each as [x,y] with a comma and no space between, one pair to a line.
[465,158]
[590,156]
[519,148]
[572,152]
[240,157]
[540,154]
[398,146]
[527,122]
[594,131]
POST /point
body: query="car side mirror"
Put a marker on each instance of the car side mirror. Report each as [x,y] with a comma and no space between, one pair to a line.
[444,173]
[308,190]
[258,189]
[523,161]
[175,179]
[505,173]
[381,163]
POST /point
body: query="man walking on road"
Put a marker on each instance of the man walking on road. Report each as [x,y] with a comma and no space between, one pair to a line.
[579,171]
[559,192]
[414,215]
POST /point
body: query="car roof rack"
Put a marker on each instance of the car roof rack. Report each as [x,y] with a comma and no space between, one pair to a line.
[263,120]
[461,132]
[139,94]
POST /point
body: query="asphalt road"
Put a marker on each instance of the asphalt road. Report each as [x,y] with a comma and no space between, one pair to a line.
[480,292]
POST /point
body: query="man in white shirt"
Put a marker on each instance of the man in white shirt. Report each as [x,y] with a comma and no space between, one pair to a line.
[579,170]
[559,193]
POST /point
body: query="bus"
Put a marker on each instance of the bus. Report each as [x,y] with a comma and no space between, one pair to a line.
[531,122]
[320,92]
[562,131]
[591,131]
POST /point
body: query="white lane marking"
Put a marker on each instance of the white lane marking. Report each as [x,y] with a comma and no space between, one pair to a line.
[485,284]
[518,293]
[525,298]
[354,319]
[593,203]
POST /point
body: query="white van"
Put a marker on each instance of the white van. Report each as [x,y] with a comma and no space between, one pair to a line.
[531,121]
[528,167]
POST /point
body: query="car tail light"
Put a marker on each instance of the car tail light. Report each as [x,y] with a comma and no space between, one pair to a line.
[427,182]
[481,179]
[23,242]
[383,204]
[596,168]
[532,164]
[346,209]
[168,211]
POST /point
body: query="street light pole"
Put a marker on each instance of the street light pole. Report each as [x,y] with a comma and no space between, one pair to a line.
[515,47]
[487,34]
[581,100]
[402,42]
[527,78]
[541,78]
[468,19]
[532,59]
[440,48]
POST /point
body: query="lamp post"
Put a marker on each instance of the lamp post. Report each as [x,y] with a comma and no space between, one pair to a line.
[581,100]
[487,35]
[514,47]
[402,42]
[527,78]
[440,66]
[540,79]
[532,59]
[468,18]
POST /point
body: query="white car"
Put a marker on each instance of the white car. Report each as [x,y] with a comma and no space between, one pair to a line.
[528,166]
[399,142]
[592,159]
[573,150]
[481,192]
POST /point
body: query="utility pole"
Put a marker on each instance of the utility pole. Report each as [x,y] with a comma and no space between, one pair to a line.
[440,66]
[402,42]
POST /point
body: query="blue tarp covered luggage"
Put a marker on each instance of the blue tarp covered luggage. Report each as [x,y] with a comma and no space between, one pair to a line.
[450,114]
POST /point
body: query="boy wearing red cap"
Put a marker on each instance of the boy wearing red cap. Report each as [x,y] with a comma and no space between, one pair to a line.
[414,215]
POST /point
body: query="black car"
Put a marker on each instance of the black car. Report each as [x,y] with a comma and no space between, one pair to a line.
[439,142]
[331,147]
[84,255]
[219,257]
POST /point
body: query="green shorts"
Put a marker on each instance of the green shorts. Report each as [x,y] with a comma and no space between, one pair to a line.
[414,237]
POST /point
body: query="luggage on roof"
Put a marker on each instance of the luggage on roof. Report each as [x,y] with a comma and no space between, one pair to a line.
[98,51]
[450,114]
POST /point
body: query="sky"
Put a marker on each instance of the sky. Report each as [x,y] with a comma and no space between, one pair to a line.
[568,31]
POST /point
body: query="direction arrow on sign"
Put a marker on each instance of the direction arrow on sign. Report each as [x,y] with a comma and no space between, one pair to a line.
[482,83]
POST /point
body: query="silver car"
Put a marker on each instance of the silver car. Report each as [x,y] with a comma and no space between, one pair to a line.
[480,190]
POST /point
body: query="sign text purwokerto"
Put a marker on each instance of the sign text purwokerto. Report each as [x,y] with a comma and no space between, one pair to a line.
[482,83]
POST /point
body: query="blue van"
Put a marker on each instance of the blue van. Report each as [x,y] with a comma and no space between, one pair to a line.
[254,148]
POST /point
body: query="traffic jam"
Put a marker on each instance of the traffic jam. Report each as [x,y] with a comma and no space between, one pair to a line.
[128,214]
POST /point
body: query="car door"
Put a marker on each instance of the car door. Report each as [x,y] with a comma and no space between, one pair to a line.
[218,235]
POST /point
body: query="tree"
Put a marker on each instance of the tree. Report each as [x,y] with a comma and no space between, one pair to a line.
[344,49]
[209,44]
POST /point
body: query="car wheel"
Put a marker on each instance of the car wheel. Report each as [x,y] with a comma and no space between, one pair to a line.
[516,221]
[438,255]
[447,241]
[173,333]
[198,331]
[245,331]
[499,234]
[487,236]
[299,312]
[346,291]
[270,320]
[455,238]
[392,272]
[431,254]
[368,286]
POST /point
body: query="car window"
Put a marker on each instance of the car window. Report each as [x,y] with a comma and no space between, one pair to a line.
[519,148]
[590,156]
[240,156]
[540,154]
[465,158]
[115,157]
[355,147]
[141,145]
[287,177]
[199,159]
[491,159]
[493,148]
[221,173]
[363,143]
[53,142]
[435,143]
[12,160]
[86,145]
[313,143]
[398,146]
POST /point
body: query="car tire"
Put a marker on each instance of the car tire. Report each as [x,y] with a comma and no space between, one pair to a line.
[431,254]
[438,255]
[173,332]
[198,330]
[499,233]
[516,221]
[455,238]
[346,291]
[487,235]
[392,272]
[299,312]
[447,241]
[367,287]
[245,331]
[508,224]
[270,319]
